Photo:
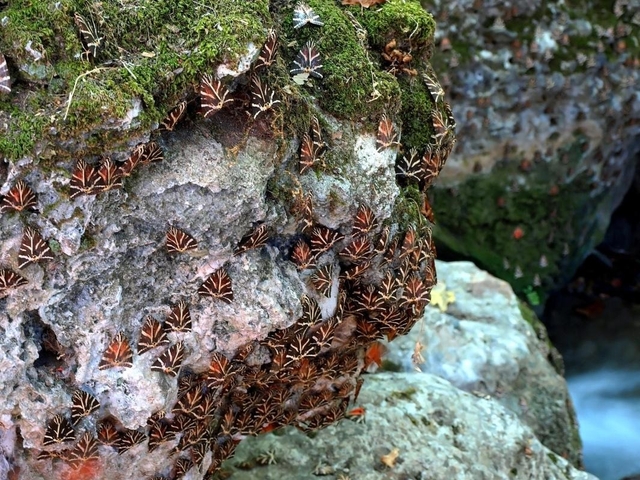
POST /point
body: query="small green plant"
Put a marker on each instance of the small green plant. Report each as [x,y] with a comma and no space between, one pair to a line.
[532,296]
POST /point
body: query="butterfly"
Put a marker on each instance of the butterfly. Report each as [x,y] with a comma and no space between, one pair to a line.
[117,354]
[152,335]
[254,239]
[83,405]
[173,117]
[85,450]
[134,159]
[322,280]
[59,430]
[20,197]
[218,285]
[308,61]
[10,279]
[387,135]
[365,221]
[83,180]
[33,248]
[5,79]
[302,256]
[213,96]
[108,176]
[179,320]
[170,361]
[434,87]
[268,52]
[410,167]
[262,98]
[304,14]
[91,40]
[312,147]
[179,241]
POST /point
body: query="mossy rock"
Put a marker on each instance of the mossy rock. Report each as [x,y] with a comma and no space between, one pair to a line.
[153,53]
[479,219]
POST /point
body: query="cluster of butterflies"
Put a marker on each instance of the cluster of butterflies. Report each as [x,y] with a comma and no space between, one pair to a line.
[422,168]
[61,429]
[382,289]
[33,248]
[381,278]
[86,179]
[214,95]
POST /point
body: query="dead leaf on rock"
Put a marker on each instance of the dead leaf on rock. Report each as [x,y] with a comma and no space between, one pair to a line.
[363,3]
[390,459]
[441,297]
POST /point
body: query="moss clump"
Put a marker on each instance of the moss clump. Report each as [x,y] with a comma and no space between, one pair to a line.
[353,86]
[404,394]
[389,366]
[407,208]
[153,50]
[405,21]
[417,127]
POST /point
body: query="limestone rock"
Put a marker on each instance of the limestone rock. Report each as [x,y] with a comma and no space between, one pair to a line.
[439,431]
[485,345]
[548,121]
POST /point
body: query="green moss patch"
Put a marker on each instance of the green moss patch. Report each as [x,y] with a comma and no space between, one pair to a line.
[405,21]
[152,50]
[417,127]
[407,208]
[353,86]
[470,221]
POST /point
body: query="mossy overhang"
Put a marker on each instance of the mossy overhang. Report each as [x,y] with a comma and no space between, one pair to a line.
[478,218]
[153,53]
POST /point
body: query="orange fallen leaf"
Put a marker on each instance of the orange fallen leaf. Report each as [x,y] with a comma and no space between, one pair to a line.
[356,412]
[374,354]
[362,3]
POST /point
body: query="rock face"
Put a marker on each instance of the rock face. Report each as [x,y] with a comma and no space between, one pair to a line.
[487,404]
[488,344]
[439,431]
[122,359]
[545,95]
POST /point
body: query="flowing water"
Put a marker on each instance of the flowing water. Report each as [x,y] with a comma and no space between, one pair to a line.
[602,360]
[607,403]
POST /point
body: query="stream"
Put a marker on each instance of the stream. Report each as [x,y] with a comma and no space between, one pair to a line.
[607,403]
[602,362]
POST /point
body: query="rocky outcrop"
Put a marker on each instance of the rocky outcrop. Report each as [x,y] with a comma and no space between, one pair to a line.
[126,354]
[415,426]
[488,401]
[487,343]
[545,95]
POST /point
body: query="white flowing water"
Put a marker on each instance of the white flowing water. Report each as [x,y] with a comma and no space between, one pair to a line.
[607,403]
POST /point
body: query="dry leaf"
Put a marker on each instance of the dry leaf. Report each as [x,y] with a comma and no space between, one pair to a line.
[301,78]
[390,459]
[362,3]
[441,297]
